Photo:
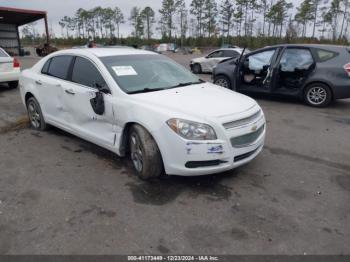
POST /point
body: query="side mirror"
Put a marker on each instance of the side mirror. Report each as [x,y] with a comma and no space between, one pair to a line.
[98,103]
[102,88]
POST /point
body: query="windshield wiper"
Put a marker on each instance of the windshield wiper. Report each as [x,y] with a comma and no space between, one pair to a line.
[200,81]
[146,90]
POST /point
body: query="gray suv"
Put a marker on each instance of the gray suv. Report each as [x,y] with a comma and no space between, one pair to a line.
[316,73]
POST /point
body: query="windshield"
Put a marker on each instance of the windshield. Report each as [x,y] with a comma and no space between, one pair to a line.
[145,73]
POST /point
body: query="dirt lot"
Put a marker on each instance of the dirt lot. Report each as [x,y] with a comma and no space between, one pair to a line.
[62,195]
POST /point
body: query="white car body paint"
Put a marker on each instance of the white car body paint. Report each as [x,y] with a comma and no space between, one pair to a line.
[208,63]
[8,72]
[204,103]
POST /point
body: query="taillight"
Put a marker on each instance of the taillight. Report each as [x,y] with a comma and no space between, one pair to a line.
[347,68]
[16,62]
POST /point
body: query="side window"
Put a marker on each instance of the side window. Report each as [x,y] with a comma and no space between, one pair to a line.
[259,60]
[45,68]
[85,73]
[216,54]
[324,55]
[59,66]
[296,59]
[230,53]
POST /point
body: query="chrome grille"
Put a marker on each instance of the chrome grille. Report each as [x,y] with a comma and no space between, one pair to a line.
[247,139]
[243,121]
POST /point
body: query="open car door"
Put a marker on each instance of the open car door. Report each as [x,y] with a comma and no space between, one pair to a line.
[255,72]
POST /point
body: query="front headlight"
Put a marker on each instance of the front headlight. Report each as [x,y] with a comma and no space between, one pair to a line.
[192,130]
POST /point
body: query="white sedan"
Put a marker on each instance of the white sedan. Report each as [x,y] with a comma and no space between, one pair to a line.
[144,104]
[9,69]
[207,63]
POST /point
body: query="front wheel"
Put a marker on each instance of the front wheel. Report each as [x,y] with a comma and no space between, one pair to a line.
[197,69]
[223,81]
[318,95]
[144,153]
[36,117]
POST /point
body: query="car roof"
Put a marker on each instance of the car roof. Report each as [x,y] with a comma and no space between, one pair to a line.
[103,52]
[324,46]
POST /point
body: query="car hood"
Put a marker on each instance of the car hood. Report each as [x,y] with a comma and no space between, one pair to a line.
[201,100]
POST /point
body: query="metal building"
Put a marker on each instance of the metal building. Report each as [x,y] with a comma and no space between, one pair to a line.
[10,20]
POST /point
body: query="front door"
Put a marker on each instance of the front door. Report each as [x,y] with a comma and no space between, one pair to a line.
[212,60]
[255,71]
[95,127]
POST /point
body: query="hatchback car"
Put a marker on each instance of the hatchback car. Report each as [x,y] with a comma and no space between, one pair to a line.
[9,69]
[207,63]
[316,73]
[144,104]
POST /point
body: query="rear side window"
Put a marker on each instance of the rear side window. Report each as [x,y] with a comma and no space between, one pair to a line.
[296,59]
[45,68]
[59,66]
[325,55]
[3,53]
[85,73]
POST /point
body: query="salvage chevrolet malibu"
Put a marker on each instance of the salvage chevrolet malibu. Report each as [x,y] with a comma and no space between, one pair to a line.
[142,104]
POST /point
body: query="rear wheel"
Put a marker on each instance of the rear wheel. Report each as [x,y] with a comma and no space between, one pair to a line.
[35,115]
[318,95]
[144,153]
[13,84]
[197,69]
[222,81]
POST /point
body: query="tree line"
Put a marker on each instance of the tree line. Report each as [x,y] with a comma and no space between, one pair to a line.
[212,21]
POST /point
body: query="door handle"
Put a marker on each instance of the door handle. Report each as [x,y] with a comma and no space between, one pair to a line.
[69,91]
[38,82]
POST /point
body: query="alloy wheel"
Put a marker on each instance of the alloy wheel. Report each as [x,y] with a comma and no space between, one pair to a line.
[222,82]
[34,115]
[136,153]
[316,95]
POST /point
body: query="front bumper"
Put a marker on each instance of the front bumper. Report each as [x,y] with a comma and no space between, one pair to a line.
[192,158]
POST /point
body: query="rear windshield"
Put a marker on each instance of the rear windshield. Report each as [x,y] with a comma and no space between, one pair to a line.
[3,53]
[325,55]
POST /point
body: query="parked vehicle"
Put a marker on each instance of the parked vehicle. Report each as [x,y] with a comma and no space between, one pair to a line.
[144,104]
[318,74]
[9,69]
[207,63]
[45,49]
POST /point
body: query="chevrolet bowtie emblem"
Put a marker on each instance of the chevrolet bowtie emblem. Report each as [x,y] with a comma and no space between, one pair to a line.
[254,128]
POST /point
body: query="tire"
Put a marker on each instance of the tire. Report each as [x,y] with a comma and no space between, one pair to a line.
[13,84]
[197,69]
[35,115]
[223,81]
[318,95]
[144,154]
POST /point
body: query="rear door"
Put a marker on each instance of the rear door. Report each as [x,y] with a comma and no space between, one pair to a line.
[50,85]
[85,78]
[295,66]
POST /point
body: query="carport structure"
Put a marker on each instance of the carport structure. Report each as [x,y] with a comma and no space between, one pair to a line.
[11,19]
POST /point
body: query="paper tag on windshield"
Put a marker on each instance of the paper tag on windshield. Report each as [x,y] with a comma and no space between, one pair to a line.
[124,70]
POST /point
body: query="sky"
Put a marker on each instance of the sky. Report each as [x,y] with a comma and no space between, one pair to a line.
[56,9]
